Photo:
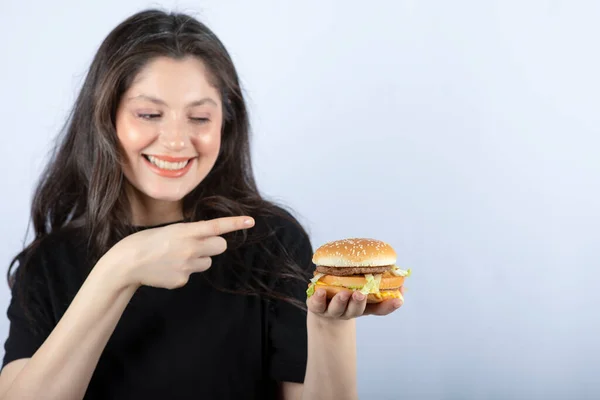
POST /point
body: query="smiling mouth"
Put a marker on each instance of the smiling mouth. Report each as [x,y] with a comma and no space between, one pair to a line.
[173,164]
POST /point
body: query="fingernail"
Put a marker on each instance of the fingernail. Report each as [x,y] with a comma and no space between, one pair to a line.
[359,296]
[249,222]
[397,303]
[344,296]
[321,293]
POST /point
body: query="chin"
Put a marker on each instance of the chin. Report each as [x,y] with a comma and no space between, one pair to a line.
[167,198]
[159,191]
[167,195]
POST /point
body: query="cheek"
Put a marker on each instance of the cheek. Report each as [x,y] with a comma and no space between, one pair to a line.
[133,137]
[208,143]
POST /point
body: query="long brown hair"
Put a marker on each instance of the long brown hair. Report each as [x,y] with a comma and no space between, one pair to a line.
[82,185]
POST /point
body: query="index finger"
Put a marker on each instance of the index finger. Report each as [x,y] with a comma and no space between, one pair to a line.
[219,226]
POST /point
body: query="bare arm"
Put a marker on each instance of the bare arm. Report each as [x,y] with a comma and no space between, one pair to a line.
[163,257]
[63,366]
[331,369]
[331,363]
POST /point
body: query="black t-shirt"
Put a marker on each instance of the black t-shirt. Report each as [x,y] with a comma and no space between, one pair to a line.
[193,342]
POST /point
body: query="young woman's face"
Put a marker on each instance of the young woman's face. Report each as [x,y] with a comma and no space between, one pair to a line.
[169,126]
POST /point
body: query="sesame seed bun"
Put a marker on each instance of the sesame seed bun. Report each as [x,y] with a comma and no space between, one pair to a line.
[355,252]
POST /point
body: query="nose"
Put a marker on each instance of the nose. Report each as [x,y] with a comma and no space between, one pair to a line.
[173,138]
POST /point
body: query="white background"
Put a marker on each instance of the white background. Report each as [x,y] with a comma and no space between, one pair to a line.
[464,133]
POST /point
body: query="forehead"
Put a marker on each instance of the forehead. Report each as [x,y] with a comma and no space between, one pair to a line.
[170,78]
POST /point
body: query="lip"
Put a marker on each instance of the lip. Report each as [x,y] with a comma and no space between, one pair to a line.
[170,158]
[168,173]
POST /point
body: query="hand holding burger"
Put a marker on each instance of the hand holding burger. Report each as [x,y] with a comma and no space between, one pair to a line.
[353,272]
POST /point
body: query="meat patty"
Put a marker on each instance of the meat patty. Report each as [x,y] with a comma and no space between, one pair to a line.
[345,271]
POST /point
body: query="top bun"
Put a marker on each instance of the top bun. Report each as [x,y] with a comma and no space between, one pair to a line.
[355,252]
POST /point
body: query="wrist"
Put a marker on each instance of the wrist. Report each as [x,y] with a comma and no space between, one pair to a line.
[331,326]
[116,272]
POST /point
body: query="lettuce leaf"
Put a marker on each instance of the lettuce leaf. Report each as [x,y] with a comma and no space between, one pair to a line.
[313,282]
[400,272]
[372,285]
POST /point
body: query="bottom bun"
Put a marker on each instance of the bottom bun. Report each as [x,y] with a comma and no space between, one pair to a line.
[371,298]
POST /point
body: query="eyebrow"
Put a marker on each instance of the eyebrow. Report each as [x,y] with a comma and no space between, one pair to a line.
[155,100]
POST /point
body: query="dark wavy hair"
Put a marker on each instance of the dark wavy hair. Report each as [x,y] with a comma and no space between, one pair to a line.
[82,185]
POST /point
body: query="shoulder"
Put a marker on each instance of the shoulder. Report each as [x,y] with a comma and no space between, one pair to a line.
[54,245]
[41,285]
[45,256]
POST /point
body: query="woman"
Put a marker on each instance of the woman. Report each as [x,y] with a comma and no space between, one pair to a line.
[157,270]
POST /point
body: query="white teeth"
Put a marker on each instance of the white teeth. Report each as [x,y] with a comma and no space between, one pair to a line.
[173,166]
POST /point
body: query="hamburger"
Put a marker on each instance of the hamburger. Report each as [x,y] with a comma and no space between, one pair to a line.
[366,265]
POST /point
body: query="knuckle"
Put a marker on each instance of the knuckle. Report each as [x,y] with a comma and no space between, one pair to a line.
[165,245]
[187,252]
[215,228]
[181,280]
[185,268]
[221,244]
[203,263]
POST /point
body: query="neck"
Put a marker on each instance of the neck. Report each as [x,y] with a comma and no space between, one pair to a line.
[149,212]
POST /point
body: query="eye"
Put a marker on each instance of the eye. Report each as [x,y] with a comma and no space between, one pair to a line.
[200,120]
[149,116]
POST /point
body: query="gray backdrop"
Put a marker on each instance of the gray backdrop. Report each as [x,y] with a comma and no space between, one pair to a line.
[465,133]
